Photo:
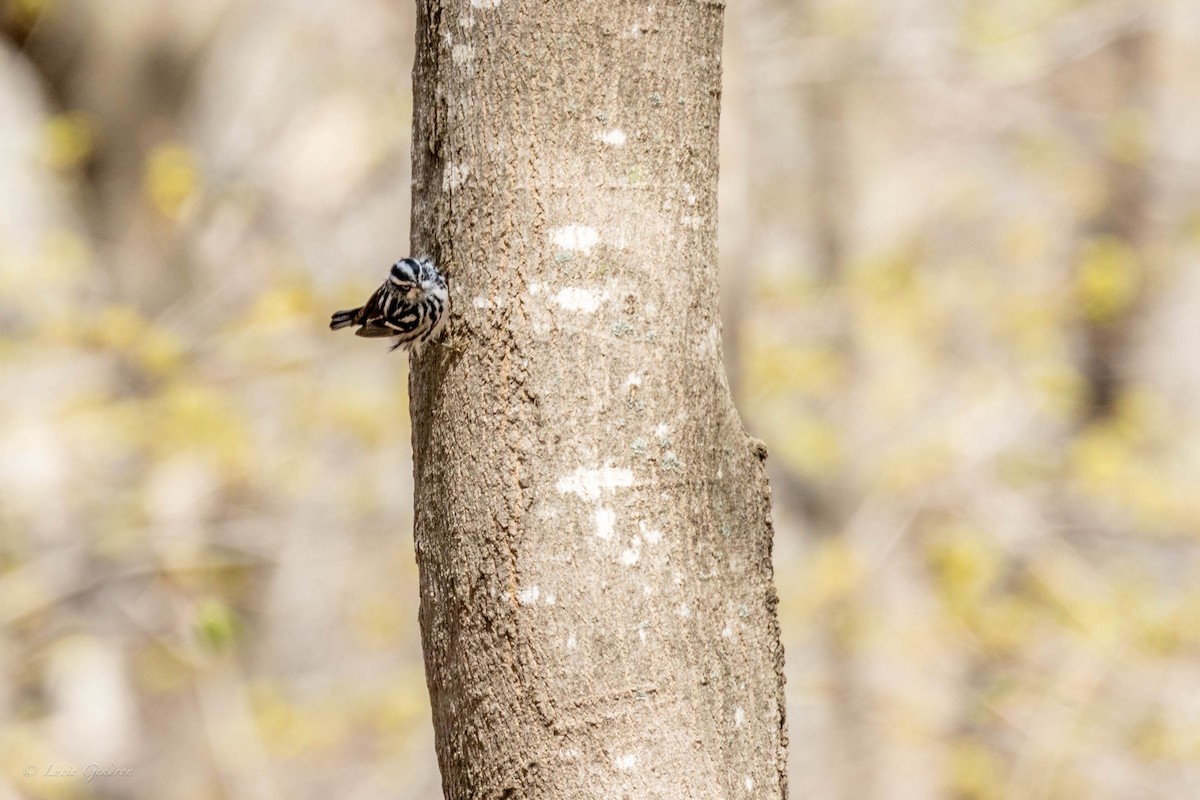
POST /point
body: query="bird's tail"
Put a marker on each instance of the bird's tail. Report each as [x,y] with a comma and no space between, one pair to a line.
[344,319]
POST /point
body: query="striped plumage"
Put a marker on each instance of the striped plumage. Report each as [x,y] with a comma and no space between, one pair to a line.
[412,306]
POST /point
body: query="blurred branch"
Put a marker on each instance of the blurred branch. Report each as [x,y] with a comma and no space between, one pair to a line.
[238,752]
[1122,218]
[62,579]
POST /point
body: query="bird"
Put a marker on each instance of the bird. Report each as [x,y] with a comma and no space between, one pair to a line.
[411,306]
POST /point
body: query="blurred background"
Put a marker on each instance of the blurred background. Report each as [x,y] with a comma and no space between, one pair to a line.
[959,255]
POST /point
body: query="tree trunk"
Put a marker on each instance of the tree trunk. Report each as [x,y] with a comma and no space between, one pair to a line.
[592,522]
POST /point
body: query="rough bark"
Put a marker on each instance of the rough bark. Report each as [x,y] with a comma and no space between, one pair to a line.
[592,521]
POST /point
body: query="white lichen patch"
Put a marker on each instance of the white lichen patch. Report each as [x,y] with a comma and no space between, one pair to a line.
[551,598]
[579,238]
[467,21]
[630,557]
[606,520]
[482,302]
[749,784]
[691,199]
[633,380]
[614,137]
[685,610]
[739,717]
[529,595]
[693,221]
[589,483]
[454,175]
[571,642]
[625,762]
[709,344]
[463,54]
[727,631]
[584,301]
[485,3]
[651,535]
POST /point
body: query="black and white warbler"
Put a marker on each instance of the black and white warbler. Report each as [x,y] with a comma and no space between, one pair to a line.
[412,306]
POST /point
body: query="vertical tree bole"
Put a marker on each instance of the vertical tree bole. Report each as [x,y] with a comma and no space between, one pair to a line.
[592,522]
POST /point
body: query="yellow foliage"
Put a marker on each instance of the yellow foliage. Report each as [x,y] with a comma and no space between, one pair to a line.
[901,470]
[1108,279]
[1120,462]
[1085,186]
[835,572]
[22,592]
[119,327]
[1083,602]
[1127,136]
[1150,499]
[124,330]
[787,286]
[1153,739]
[120,529]
[1042,152]
[1164,627]
[158,669]
[987,24]
[901,330]
[405,700]
[215,623]
[1032,465]
[64,256]
[160,353]
[380,621]
[1140,415]
[1181,626]
[885,279]
[846,18]
[1062,390]
[813,370]
[976,772]
[1033,324]
[965,566]
[1098,458]
[366,416]
[291,730]
[190,416]
[68,140]
[1005,624]
[27,11]
[1026,240]
[813,446]
[171,177]
[283,303]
